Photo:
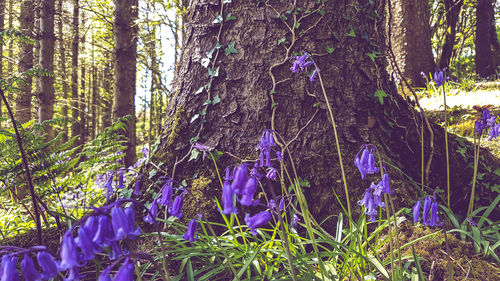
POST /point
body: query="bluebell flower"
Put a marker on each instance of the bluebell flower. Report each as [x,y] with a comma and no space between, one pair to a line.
[116,250]
[248,191]
[123,223]
[166,194]
[121,175]
[427,207]
[29,270]
[365,164]
[104,234]
[312,78]
[105,274]
[191,231]
[494,132]
[227,199]
[240,176]
[272,205]
[255,170]
[90,227]
[271,173]
[145,152]
[74,274]
[84,242]
[472,222]
[434,215]
[137,186]
[438,77]
[176,209]
[126,272]
[153,212]
[202,147]
[386,188]
[369,205]
[69,253]
[295,221]
[416,212]
[49,267]
[300,62]
[265,146]
[109,187]
[258,220]
[8,270]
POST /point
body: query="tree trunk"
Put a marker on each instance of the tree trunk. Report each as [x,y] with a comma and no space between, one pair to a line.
[62,68]
[107,97]
[47,40]
[484,57]
[95,96]
[75,128]
[452,10]
[82,105]
[23,99]
[125,51]
[258,91]
[411,39]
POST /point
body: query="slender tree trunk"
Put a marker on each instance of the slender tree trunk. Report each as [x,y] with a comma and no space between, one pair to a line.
[23,99]
[95,95]
[75,128]
[125,51]
[484,58]
[2,22]
[107,97]
[62,68]
[82,108]
[47,40]
[452,10]
[10,47]
[410,38]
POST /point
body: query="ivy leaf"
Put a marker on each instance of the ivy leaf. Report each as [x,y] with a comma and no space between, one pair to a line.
[205,62]
[230,49]
[216,100]
[193,140]
[297,25]
[351,33]
[497,172]
[196,116]
[203,112]
[213,72]
[218,19]
[200,90]
[282,41]
[373,55]
[216,154]
[194,155]
[380,95]
[329,49]
[230,17]
[207,102]
[226,1]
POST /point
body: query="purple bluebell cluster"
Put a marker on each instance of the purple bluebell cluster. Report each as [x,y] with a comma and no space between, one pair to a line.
[429,207]
[374,194]
[240,184]
[102,231]
[487,121]
[164,198]
[302,62]
[439,78]
[366,162]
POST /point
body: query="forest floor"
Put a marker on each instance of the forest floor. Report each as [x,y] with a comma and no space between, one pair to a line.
[464,108]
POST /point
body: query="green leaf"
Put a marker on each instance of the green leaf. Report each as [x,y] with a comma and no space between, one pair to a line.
[226,1]
[282,41]
[230,49]
[272,92]
[351,33]
[207,102]
[194,154]
[497,172]
[230,17]
[196,116]
[193,140]
[322,12]
[216,154]
[329,49]
[274,105]
[297,25]
[218,19]
[213,72]
[205,62]
[380,95]
[373,55]
[216,100]
[199,91]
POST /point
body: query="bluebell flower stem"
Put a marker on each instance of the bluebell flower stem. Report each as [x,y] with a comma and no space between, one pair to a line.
[391,245]
[223,251]
[446,147]
[476,164]
[422,154]
[338,147]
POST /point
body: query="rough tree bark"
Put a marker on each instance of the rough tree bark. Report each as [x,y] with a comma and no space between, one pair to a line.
[452,10]
[411,39]
[23,99]
[484,56]
[125,51]
[258,91]
[46,60]
[2,22]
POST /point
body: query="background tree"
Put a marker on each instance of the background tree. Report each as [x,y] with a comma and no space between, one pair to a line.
[23,99]
[452,11]
[75,128]
[234,80]
[483,43]
[2,22]
[62,66]
[125,52]
[411,39]
[47,40]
